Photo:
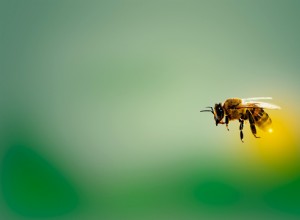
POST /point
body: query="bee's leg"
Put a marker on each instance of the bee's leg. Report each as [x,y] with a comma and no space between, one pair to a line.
[252,123]
[241,129]
[227,122]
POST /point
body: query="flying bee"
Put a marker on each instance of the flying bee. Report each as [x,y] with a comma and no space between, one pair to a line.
[244,109]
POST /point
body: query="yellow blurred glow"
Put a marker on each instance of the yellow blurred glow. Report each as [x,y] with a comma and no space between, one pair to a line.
[277,147]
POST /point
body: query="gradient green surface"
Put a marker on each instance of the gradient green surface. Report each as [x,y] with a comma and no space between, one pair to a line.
[100,109]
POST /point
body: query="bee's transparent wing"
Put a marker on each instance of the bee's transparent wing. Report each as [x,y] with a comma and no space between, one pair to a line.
[252,103]
[255,99]
[267,105]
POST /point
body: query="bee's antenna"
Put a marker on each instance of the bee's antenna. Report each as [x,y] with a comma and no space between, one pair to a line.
[211,110]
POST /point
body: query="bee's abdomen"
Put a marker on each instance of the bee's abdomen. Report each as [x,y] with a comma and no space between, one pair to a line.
[261,118]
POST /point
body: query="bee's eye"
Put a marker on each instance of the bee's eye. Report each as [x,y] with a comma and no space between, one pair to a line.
[219,110]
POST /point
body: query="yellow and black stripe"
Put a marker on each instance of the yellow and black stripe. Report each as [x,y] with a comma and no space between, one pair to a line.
[261,118]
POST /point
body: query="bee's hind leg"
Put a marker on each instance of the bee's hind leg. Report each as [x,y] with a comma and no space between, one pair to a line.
[241,129]
[252,124]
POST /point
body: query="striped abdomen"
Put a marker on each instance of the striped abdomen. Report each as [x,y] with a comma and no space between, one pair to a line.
[261,118]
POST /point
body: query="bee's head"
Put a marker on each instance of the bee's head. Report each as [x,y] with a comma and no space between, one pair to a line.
[218,113]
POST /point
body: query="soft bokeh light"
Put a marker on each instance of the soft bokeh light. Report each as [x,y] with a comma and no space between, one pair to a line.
[100,106]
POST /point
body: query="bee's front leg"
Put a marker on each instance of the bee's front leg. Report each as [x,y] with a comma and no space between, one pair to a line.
[227,122]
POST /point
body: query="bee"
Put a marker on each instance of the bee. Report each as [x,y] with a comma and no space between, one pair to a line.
[244,109]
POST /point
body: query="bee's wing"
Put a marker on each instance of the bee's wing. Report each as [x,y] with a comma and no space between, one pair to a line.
[267,105]
[264,105]
[252,103]
[255,99]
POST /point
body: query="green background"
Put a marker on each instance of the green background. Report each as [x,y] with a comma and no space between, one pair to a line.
[100,109]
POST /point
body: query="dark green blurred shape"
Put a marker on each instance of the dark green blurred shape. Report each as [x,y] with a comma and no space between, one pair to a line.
[286,197]
[33,187]
[216,193]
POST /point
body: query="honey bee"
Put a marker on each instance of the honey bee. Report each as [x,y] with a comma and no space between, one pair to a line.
[244,109]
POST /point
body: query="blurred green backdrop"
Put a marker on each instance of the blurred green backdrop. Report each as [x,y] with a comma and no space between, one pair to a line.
[100,109]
